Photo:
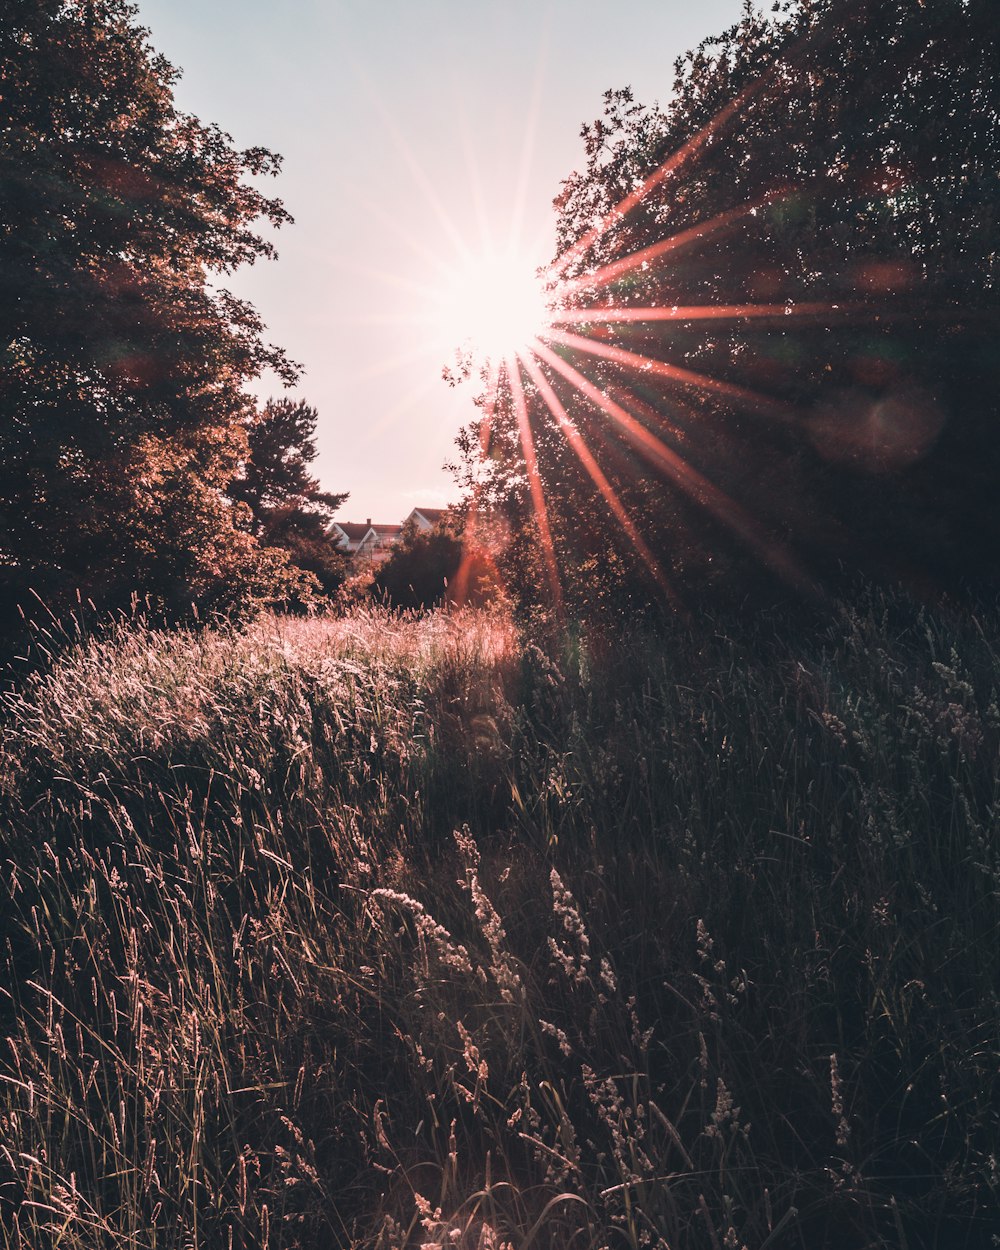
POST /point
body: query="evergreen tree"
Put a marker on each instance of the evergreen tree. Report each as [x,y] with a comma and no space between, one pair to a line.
[287,507]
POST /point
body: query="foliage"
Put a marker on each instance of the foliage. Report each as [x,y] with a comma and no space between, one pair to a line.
[709,961]
[122,359]
[288,508]
[419,569]
[281,446]
[853,425]
[431,566]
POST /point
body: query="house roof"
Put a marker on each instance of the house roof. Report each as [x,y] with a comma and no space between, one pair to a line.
[355,530]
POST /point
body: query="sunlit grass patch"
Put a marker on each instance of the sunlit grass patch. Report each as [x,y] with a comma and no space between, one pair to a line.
[391,930]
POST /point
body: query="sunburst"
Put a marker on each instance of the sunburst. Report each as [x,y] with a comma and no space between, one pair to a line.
[579,311]
[603,324]
[490,305]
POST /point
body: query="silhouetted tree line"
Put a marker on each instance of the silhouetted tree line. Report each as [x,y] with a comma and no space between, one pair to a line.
[132,457]
[838,162]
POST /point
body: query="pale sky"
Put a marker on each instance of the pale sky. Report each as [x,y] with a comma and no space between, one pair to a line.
[409,128]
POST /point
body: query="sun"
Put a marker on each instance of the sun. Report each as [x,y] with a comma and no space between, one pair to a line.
[491,305]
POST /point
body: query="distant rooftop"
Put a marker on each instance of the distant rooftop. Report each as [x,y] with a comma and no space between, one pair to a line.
[355,530]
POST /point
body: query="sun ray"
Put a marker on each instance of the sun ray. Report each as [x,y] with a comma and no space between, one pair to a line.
[512,370]
[572,435]
[695,484]
[700,233]
[694,312]
[751,400]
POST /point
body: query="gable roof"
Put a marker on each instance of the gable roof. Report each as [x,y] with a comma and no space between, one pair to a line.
[432,514]
[354,530]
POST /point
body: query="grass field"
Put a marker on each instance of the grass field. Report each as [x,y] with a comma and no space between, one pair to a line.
[390,931]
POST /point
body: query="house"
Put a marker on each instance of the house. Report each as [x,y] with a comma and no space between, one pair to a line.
[348,535]
[378,543]
[369,543]
[372,543]
[426,518]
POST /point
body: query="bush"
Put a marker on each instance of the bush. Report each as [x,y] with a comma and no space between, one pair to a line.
[429,567]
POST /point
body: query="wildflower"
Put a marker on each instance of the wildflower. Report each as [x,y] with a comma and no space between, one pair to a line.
[501,968]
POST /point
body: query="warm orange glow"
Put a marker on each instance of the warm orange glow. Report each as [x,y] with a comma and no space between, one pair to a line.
[513,372]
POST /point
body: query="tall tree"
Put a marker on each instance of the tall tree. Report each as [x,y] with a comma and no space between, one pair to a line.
[281,445]
[817,388]
[123,362]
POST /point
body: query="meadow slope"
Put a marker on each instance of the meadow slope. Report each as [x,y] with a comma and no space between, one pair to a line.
[391,931]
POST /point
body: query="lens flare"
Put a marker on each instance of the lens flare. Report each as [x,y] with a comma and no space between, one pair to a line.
[491,305]
[631,329]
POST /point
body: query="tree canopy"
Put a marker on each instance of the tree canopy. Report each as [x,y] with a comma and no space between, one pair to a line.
[775,318]
[123,360]
[287,507]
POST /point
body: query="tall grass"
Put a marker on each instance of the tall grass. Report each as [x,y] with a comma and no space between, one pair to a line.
[390,931]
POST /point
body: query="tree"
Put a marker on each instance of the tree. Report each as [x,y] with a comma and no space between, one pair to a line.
[451,563]
[420,569]
[818,388]
[287,507]
[123,363]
